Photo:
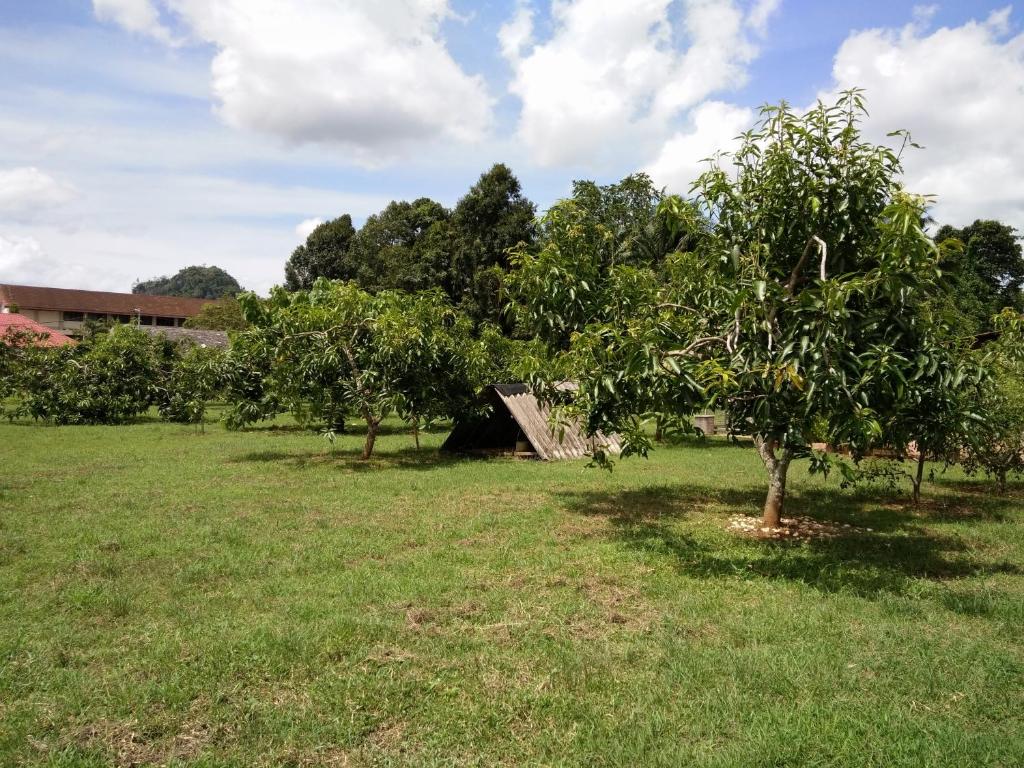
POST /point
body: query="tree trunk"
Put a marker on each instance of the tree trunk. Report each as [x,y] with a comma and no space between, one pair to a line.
[778,467]
[919,477]
[1002,480]
[416,432]
[372,426]
[659,431]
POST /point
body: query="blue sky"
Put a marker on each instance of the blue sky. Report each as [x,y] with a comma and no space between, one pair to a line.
[140,136]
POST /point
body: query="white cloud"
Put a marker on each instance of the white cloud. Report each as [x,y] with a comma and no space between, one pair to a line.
[136,225]
[140,16]
[613,76]
[715,124]
[24,191]
[23,262]
[761,13]
[960,91]
[517,32]
[373,76]
[306,227]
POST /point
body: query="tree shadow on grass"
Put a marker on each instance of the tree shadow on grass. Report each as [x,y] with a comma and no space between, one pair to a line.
[898,549]
[354,429]
[352,460]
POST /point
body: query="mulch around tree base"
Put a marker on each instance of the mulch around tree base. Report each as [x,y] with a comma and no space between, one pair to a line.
[791,528]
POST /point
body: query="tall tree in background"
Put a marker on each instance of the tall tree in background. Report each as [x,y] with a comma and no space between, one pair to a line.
[324,254]
[404,247]
[490,219]
[622,220]
[985,271]
[191,282]
[591,245]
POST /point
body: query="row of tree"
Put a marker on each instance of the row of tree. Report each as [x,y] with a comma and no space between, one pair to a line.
[111,377]
[796,290]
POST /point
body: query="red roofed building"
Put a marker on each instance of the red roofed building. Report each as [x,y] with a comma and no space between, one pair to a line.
[12,322]
[63,309]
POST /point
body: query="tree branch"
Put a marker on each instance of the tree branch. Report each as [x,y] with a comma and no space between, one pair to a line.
[671,305]
[698,344]
[824,253]
[794,276]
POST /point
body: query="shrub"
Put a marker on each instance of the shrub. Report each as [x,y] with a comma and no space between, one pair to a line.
[195,376]
[109,379]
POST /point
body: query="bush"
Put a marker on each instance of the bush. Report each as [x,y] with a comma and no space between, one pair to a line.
[109,379]
[996,447]
[247,388]
[195,376]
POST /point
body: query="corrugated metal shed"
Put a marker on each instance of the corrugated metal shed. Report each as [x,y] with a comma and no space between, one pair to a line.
[518,415]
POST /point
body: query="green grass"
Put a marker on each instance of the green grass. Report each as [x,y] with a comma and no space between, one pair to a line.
[257,599]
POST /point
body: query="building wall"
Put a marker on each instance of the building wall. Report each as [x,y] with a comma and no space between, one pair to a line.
[71,321]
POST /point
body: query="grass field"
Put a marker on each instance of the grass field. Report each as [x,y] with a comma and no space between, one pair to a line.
[258,599]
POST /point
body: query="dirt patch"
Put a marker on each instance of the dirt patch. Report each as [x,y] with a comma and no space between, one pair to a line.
[385,737]
[336,757]
[794,528]
[576,528]
[128,745]
[621,606]
[420,618]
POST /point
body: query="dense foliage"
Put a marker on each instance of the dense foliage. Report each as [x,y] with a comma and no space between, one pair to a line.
[191,282]
[599,246]
[324,254]
[793,305]
[107,379]
[223,315]
[421,245]
[190,381]
[113,376]
[337,352]
[996,445]
[490,220]
[984,269]
[405,247]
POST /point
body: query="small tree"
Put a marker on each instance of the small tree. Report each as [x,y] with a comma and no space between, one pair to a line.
[248,386]
[340,351]
[937,402]
[18,347]
[108,379]
[996,447]
[196,374]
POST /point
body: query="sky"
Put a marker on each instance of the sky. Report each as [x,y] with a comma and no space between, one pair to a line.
[141,136]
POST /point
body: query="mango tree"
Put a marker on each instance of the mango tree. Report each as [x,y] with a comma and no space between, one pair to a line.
[339,351]
[789,312]
[109,378]
[996,445]
[194,375]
